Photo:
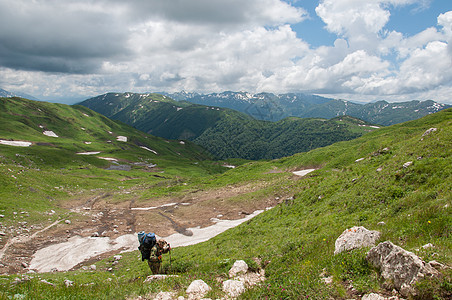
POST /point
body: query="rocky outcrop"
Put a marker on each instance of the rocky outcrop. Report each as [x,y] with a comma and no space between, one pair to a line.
[355,237]
[401,267]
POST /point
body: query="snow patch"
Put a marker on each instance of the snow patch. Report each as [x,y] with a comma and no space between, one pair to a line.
[78,249]
[50,133]
[146,148]
[88,153]
[303,172]
[108,158]
[16,143]
[121,138]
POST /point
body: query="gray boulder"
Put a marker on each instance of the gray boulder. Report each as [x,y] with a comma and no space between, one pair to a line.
[401,267]
[355,237]
[197,289]
[239,267]
[233,288]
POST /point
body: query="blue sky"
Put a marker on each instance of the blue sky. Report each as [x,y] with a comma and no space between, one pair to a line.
[361,50]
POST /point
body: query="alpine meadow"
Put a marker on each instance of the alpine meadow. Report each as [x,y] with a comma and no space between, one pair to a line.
[395,180]
[227,149]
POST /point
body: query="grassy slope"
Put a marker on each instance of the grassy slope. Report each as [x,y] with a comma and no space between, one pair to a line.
[32,178]
[296,239]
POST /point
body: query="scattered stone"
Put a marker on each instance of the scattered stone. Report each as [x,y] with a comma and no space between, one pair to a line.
[373,296]
[19,296]
[355,237]
[401,267]
[427,246]
[68,283]
[2,233]
[67,222]
[95,234]
[239,267]
[381,223]
[164,296]
[93,267]
[233,288]
[46,282]
[24,264]
[197,288]
[379,169]
[117,257]
[156,277]
[360,159]
[407,164]
[429,131]
[436,265]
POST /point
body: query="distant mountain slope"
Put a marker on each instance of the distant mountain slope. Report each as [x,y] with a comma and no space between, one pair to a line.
[226,133]
[7,94]
[268,106]
[58,133]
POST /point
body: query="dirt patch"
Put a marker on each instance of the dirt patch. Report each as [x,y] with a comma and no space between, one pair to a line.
[96,216]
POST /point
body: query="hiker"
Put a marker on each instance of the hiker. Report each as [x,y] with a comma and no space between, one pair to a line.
[152,250]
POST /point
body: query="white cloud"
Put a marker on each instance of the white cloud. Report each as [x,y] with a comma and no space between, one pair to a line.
[54,49]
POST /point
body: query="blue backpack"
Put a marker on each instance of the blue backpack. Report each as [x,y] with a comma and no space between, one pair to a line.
[147,240]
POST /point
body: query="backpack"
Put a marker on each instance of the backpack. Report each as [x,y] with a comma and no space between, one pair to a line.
[147,241]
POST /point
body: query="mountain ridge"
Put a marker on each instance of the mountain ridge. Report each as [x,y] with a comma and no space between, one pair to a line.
[225,132]
[268,106]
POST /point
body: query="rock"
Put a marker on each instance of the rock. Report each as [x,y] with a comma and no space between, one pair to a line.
[93,267]
[381,223]
[239,267]
[360,159]
[429,131]
[67,222]
[2,233]
[24,264]
[233,288]
[164,296]
[373,296]
[407,164]
[156,277]
[355,237]
[46,282]
[117,257]
[68,283]
[95,234]
[436,265]
[197,288]
[401,267]
[427,246]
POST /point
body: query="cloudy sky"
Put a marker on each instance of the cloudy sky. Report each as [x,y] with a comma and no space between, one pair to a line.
[352,49]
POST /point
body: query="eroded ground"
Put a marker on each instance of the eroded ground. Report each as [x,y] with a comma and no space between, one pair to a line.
[99,216]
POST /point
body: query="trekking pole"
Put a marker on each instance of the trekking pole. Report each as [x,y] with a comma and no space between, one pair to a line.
[171,267]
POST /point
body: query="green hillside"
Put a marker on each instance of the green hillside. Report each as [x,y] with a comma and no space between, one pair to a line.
[224,132]
[396,180]
[86,152]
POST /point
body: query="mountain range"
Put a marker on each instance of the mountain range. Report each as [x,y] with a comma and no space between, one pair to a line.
[274,107]
[224,132]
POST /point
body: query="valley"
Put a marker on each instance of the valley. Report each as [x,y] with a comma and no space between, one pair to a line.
[85,209]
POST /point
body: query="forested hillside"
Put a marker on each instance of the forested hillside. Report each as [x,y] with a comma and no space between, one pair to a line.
[225,133]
